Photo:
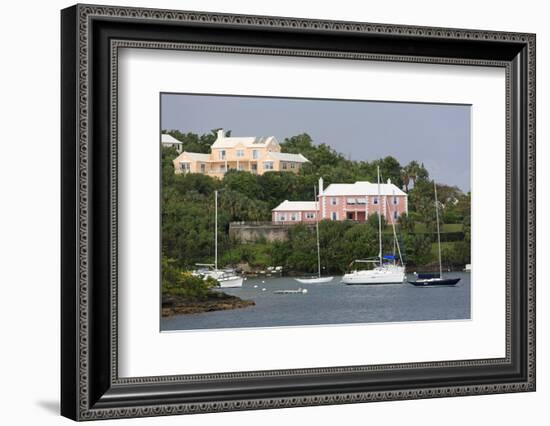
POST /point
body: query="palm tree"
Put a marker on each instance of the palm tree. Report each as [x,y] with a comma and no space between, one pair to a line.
[405,178]
[412,172]
[414,168]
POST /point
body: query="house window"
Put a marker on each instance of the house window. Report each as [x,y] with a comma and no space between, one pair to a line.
[310,215]
[351,201]
[395,214]
[222,168]
[241,166]
[203,168]
[375,201]
[282,217]
[185,167]
[334,201]
[362,201]
[334,216]
[240,153]
[284,166]
[254,167]
[395,200]
[255,154]
[268,165]
[293,217]
[222,154]
[292,165]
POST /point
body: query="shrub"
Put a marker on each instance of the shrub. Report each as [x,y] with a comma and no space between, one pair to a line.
[183,283]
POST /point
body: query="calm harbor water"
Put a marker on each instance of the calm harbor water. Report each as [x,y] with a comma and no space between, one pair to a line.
[332,303]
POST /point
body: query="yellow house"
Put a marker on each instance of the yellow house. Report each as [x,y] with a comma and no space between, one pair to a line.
[252,154]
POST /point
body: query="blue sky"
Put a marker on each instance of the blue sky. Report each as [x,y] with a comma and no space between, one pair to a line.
[436,134]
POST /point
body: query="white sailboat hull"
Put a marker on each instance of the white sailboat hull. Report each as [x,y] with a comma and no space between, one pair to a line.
[379,275]
[226,278]
[316,280]
[231,282]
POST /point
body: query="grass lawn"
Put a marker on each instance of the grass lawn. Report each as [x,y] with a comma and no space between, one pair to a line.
[420,228]
[257,254]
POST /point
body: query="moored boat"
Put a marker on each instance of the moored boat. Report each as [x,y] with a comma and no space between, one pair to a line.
[431,279]
[227,278]
[297,291]
[384,274]
[388,272]
[423,280]
[316,279]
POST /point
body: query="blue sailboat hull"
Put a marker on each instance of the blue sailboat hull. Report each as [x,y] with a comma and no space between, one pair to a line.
[435,282]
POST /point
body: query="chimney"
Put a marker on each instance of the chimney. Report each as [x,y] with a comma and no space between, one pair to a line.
[389,181]
[321,186]
[221,134]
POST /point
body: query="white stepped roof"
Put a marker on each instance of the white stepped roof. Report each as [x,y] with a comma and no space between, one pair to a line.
[283,156]
[362,188]
[170,139]
[248,142]
[194,156]
[289,206]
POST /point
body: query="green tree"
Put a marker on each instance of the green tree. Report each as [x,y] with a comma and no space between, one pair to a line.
[319,155]
[406,223]
[373,220]
[418,249]
[243,182]
[188,182]
[277,187]
[176,282]
[303,256]
[361,241]
[334,255]
[390,169]
[413,172]
[238,207]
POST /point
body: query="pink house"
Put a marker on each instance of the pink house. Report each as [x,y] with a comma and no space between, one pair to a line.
[345,201]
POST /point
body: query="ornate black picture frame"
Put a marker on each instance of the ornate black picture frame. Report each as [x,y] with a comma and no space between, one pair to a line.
[91,387]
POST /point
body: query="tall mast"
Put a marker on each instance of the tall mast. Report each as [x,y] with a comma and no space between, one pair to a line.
[216,230]
[438,236]
[317,230]
[379,218]
[395,241]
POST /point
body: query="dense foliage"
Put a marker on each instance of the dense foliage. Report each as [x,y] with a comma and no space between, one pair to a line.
[176,282]
[188,212]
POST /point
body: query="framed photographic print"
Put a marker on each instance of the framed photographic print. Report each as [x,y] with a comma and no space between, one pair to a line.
[263,212]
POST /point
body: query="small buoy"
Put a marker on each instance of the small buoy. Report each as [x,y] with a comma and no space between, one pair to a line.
[256,286]
[304,291]
[263,282]
[263,289]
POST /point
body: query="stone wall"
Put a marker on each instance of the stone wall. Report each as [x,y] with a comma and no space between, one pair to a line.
[250,232]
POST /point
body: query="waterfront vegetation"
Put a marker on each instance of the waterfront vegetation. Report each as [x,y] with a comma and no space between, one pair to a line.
[185,293]
[188,216]
[177,282]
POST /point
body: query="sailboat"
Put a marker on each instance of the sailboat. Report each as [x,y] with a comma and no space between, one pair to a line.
[423,280]
[226,277]
[383,273]
[318,279]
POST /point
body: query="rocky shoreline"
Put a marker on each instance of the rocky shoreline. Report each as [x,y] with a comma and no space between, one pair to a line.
[177,305]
